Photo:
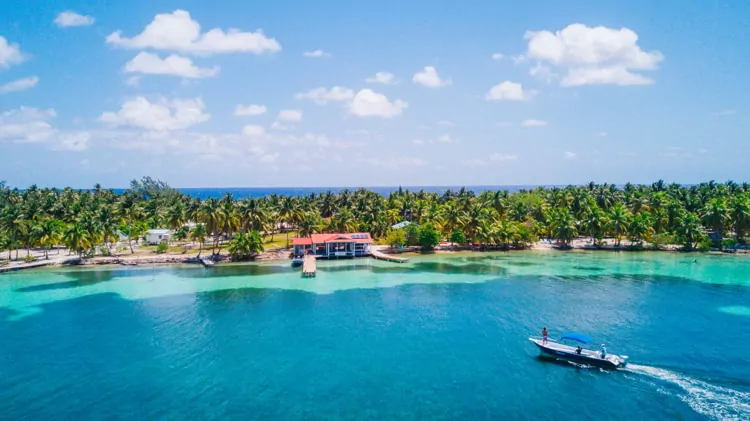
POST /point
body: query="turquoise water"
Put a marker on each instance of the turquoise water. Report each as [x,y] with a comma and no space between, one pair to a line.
[441,337]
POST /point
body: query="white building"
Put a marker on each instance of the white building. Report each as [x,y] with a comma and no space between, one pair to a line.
[158,236]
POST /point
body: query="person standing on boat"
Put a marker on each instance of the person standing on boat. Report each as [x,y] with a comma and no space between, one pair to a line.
[604,351]
[545,333]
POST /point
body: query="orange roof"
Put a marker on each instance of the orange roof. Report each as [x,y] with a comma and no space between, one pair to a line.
[357,237]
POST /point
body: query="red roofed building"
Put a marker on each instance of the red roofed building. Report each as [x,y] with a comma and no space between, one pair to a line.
[333,245]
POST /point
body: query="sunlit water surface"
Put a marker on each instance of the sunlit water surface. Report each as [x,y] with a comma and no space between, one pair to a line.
[440,337]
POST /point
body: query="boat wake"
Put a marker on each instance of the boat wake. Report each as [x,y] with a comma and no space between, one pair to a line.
[719,403]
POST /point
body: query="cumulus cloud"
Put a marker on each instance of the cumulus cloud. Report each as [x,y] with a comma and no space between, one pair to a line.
[368,103]
[594,55]
[174,65]
[19,85]
[429,77]
[289,115]
[69,18]
[446,138]
[10,54]
[497,56]
[160,115]
[177,31]
[323,96]
[543,73]
[508,91]
[253,130]
[384,78]
[533,123]
[316,54]
[570,155]
[252,109]
[27,125]
[277,125]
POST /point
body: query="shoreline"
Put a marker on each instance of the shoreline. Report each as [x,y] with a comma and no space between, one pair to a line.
[284,254]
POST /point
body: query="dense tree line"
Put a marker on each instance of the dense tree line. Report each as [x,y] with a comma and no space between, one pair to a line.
[90,221]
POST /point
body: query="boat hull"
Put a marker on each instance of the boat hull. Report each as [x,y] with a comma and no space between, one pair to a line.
[566,353]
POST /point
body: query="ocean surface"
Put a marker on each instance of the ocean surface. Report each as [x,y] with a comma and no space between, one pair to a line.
[442,337]
[249,192]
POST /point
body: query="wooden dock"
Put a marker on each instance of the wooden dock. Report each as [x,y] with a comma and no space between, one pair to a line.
[309,267]
[388,257]
[207,262]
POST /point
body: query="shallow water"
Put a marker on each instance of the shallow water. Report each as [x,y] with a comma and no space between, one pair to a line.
[440,337]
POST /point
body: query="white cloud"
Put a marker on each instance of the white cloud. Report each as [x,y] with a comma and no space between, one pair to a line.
[508,91]
[497,56]
[252,109]
[278,126]
[533,123]
[174,65]
[10,54]
[253,130]
[316,54]
[499,157]
[723,113]
[518,59]
[69,18]
[26,125]
[368,103]
[570,155]
[446,123]
[543,73]
[133,81]
[76,141]
[384,78]
[594,55]
[429,77]
[602,134]
[446,138]
[418,142]
[19,85]
[177,31]
[604,76]
[161,115]
[290,115]
[323,96]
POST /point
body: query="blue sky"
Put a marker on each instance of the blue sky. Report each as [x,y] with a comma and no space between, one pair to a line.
[469,93]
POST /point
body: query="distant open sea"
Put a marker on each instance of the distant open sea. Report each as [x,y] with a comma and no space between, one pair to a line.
[243,192]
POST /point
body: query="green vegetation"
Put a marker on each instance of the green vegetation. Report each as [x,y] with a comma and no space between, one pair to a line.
[88,222]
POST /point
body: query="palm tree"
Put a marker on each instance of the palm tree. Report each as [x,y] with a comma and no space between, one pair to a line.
[130,210]
[689,230]
[740,215]
[716,214]
[619,220]
[198,234]
[564,227]
[209,215]
[640,227]
[309,224]
[76,238]
[49,233]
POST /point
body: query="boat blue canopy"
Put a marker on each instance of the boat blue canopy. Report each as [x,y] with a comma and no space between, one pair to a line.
[575,336]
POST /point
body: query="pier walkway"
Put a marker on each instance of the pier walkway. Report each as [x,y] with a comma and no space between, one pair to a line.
[388,257]
[309,266]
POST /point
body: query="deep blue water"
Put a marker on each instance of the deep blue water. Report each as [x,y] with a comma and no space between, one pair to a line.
[449,351]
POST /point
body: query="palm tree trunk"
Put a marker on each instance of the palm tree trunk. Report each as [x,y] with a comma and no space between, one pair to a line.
[130,235]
